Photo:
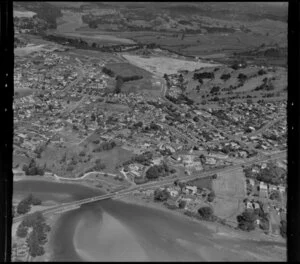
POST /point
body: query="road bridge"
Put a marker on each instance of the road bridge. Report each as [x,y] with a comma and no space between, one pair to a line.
[74,205]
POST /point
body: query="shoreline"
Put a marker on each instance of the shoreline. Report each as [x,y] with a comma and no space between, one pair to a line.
[218,230]
[53,179]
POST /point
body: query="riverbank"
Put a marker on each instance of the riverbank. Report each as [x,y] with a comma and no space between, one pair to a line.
[57,180]
[218,230]
[51,221]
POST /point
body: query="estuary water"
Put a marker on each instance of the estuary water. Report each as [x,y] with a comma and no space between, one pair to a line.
[116,231]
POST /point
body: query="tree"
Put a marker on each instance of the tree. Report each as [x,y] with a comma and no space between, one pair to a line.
[152,173]
[215,90]
[22,230]
[161,195]
[246,220]
[119,83]
[23,207]
[33,169]
[275,195]
[206,212]
[34,219]
[242,77]
[211,196]
[182,204]
[283,228]
[36,201]
[35,249]
[181,185]
[264,224]
[261,72]
[225,77]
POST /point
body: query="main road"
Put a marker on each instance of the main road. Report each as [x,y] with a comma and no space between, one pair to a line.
[153,184]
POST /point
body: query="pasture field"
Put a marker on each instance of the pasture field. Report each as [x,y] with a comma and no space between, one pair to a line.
[161,65]
[277,77]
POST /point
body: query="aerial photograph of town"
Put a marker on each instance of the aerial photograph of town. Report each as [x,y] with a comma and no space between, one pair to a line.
[150,131]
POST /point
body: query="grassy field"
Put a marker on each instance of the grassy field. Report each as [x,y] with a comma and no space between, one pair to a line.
[230,189]
[277,77]
[162,65]
[203,183]
[113,158]
[145,86]
[27,50]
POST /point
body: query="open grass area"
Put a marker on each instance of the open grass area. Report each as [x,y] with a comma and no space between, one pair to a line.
[145,86]
[27,50]
[231,184]
[229,188]
[162,65]
[113,158]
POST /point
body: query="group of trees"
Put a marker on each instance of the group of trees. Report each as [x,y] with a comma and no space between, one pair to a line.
[261,72]
[38,236]
[206,213]
[157,171]
[99,166]
[272,174]
[215,90]
[266,85]
[144,159]
[242,77]
[152,126]
[33,169]
[211,196]
[225,77]
[283,228]
[120,80]
[25,204]
[161,195]
[203,75]
[181,99]
[105,146]
[246,221]
[108,72]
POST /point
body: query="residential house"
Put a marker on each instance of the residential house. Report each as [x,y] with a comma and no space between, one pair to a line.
[191,189]
[256,205]
[281,188]
[210,161]
[249,205]
[251,182]
[263,190]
